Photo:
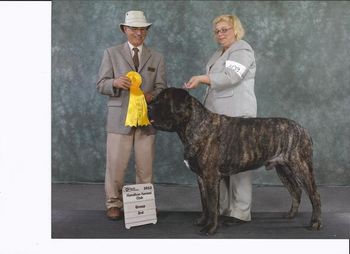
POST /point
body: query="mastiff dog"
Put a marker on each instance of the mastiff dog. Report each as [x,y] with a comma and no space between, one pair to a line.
[216,146]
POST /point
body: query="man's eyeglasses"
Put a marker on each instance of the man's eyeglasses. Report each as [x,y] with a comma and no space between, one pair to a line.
[222,30]
[134,29]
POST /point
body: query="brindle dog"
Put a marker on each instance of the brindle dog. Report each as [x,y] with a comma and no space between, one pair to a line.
[216,146]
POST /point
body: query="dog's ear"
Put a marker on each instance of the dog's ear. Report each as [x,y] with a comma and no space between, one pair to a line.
[181,97]
[180,93]
[181,102]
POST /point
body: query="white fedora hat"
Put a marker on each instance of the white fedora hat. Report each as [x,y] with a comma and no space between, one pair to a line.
[135,19]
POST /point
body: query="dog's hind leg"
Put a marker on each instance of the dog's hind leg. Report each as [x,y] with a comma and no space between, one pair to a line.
[288,179]
[201,221]
[310,187]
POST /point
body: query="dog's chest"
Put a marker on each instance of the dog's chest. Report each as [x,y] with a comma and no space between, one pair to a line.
[192,164]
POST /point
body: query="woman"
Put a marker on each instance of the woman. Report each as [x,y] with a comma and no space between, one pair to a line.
[229,76]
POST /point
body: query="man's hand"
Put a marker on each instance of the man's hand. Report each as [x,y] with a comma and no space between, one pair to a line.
[122,82]
[148,97]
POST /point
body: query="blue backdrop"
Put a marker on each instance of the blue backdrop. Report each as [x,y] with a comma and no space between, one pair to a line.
[303,73]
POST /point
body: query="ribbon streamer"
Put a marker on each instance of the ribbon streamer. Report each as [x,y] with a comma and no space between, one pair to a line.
[137,109]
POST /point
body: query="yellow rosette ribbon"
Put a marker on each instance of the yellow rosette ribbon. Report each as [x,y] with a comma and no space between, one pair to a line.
[137,109]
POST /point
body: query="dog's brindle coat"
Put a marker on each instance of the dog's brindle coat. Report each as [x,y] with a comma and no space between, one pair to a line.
[216,146]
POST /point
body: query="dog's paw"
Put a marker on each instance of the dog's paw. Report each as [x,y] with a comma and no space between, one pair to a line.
[316,225]
[209,229]
[290,215]
[201,221]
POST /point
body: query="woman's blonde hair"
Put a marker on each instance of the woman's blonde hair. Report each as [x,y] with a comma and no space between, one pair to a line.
[234,21]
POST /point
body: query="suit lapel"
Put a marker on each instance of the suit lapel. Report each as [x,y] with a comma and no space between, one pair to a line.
[145,56]
[125,52]
[211,62]
[213,59]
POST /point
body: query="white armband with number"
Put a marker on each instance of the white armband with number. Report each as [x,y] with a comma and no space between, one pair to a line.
[237,67]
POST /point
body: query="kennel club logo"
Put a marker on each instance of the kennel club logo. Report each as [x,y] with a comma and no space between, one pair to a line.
[139,205]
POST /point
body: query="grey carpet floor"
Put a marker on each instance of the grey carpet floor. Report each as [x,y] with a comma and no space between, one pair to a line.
[78,212]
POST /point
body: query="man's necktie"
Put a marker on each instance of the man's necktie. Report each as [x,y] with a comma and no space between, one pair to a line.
[135,58]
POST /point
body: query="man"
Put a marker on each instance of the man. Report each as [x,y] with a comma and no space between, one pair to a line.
[117,61]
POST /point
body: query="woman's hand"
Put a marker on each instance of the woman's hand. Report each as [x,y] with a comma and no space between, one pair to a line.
[195,81]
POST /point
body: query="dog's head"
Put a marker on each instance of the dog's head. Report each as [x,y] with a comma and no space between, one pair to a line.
[170,110]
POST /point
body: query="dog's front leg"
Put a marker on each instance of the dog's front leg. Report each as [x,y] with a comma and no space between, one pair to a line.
[201,221]
[211,187]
